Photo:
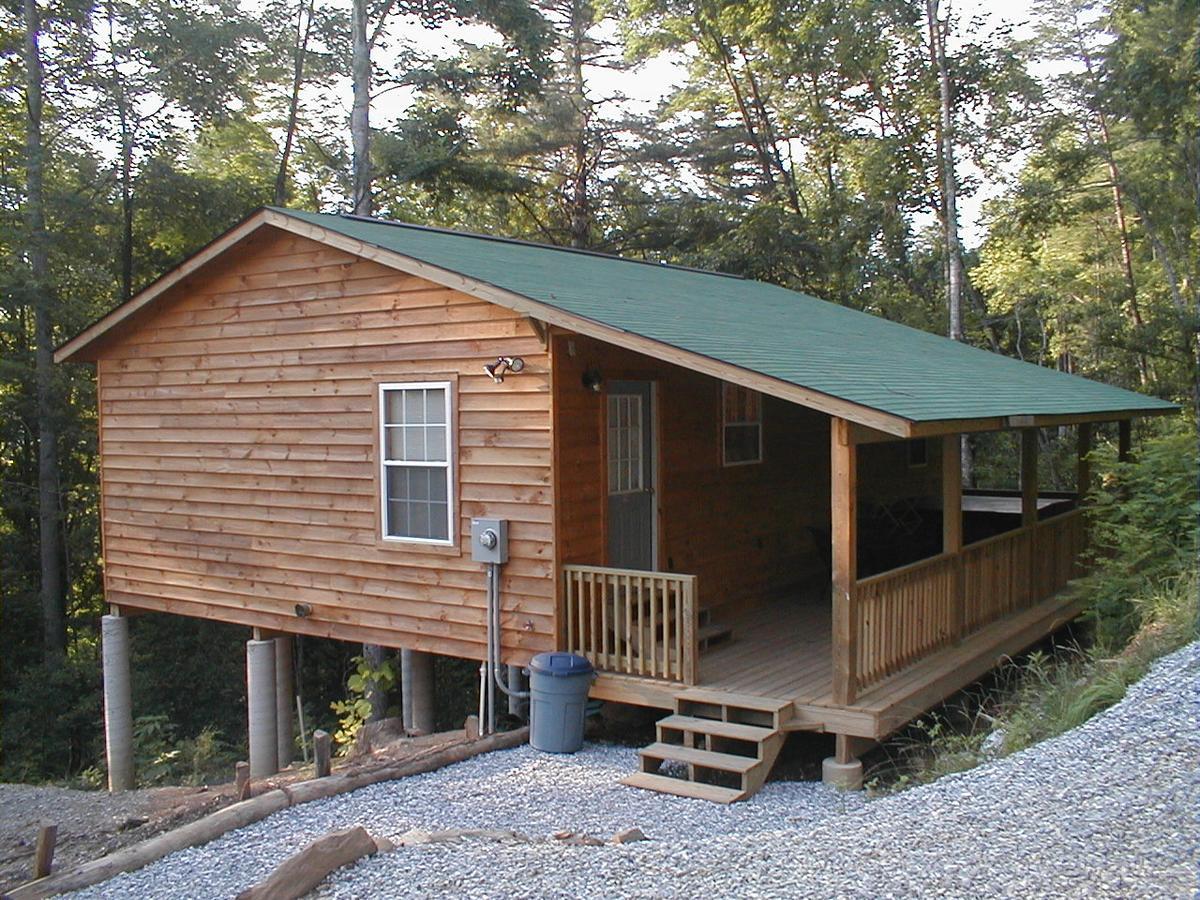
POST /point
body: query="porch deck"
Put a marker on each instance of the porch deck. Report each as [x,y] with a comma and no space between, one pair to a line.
[783,651]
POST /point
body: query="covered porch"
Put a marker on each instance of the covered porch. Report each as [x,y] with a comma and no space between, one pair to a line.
[731,588]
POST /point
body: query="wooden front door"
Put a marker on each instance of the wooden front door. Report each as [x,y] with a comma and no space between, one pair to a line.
[630,457]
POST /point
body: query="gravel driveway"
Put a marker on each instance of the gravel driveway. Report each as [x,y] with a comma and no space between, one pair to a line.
[1108,810]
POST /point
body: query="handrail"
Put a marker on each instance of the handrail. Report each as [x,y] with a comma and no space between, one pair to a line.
[632,622]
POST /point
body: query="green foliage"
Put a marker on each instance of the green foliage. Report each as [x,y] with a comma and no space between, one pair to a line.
[354,711]
[162,757]
[1144,529]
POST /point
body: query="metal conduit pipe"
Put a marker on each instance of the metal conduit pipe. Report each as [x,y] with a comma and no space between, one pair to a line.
[494,648]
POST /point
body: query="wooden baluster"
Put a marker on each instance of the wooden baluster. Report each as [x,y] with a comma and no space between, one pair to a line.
[677,668]
[654,626]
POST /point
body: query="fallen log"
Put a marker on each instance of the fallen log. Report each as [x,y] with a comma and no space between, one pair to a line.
[299,874]
[250,811]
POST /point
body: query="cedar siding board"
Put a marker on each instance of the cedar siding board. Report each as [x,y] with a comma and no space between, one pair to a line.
[239,472]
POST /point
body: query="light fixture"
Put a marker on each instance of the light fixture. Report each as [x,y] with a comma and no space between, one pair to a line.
[504,364]
[592,379]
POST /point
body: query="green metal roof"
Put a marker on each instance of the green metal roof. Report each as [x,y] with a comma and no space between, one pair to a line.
[759,327]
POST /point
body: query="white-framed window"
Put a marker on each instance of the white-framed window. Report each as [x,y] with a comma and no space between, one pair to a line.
[741,425]
[416,456]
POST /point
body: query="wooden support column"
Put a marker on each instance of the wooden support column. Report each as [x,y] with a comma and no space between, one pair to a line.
[1029,476]
[1124,439]
[1083,480]
[843,469]
[952,520]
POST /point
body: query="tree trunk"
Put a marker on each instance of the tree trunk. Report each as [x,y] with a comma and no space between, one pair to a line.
[126,135]
[580,202]
[303,31]
[52,596]
[954,266]
[360,114]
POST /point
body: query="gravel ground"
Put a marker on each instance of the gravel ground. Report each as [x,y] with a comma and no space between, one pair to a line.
[1108,810]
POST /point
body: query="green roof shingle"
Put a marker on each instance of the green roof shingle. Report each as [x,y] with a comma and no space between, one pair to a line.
[759,327]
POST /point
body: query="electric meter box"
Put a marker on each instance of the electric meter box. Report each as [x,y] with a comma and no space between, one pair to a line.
[489,540]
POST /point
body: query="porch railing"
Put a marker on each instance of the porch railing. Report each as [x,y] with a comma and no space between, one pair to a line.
[907,613]
[632,622]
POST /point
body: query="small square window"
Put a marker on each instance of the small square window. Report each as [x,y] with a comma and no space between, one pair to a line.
[741,431]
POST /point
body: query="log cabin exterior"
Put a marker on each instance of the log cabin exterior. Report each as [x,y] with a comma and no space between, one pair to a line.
[742,504]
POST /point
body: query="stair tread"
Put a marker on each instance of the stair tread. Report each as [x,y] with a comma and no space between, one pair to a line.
[725,762]
[730,698]
[717,728]
[667,785]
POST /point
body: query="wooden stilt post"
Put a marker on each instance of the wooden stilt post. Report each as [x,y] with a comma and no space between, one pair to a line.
[844,519]
[1029,505]
[1124,439]
[952,526]
[1083,480]
[1029,476]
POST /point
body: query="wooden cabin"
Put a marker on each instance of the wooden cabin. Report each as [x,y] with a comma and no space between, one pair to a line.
[297,428]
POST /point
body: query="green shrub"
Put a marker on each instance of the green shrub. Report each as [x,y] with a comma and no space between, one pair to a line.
[1143,527]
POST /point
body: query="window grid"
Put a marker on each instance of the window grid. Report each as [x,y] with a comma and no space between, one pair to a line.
[625,464]
[416,484]
[741,425]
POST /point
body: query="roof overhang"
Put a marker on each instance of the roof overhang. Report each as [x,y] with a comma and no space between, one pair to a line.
[874,424]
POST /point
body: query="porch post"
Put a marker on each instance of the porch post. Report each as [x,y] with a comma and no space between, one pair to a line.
[1083,480]
[1029,476]
[843,471]
[952,524]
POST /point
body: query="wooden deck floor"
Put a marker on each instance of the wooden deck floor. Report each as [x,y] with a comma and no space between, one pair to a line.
[782,651]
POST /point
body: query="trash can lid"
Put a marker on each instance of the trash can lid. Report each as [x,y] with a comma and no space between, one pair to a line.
[560,665]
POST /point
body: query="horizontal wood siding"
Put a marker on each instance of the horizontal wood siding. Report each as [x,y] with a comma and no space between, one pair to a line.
[239,453]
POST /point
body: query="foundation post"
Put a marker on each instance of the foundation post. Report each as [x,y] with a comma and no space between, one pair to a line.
[517,706]
[118,703]
[844,769]
[416,691]
[286,737]
[260,708]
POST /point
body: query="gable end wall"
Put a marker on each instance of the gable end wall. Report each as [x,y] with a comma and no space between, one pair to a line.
[238,439]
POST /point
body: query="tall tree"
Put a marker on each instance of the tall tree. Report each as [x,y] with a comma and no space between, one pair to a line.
[53,581]
[360,114]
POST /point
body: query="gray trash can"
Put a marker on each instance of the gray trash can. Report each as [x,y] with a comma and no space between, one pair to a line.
[558,692]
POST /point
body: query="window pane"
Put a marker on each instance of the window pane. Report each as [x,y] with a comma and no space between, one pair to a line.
[414,443]
[435,406]
[418,484]
[414,407]
[742,443]
[393,442]
[435,443]
[393,407]
[418,520]
[437,485]
[437,522]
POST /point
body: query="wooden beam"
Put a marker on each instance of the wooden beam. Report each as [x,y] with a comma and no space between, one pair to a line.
[843,463]
[1029,476]
[1124,440]
[1083,479]
[952,518]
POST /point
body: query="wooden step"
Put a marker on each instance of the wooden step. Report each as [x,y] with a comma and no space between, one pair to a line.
[722,762]
[711,634]
[664,784]
[716,728]
[729,698]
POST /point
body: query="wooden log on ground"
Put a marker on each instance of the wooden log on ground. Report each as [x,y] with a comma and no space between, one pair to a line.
[43,857]
[247,812]
[299,874]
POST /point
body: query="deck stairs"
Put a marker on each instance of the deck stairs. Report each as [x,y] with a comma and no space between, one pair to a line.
[716,746]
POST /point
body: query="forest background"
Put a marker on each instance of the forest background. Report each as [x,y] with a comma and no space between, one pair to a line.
[819,144]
